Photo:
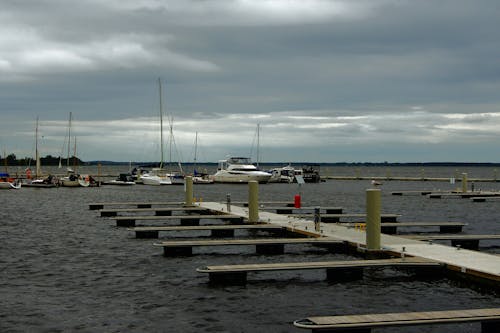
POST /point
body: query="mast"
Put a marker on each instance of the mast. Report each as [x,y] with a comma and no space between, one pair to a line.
[195,150]
[37,155]
[258,144]
[69,138]
[161,124]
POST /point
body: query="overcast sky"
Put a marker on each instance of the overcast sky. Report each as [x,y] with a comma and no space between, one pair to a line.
[328,81]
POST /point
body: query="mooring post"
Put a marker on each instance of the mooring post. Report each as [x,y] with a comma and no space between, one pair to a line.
[317,219]
[189,190]
[373,203]
[228,202]
[464,182]
[253,201]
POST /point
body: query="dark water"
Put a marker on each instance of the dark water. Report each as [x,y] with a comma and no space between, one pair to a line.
[64,269]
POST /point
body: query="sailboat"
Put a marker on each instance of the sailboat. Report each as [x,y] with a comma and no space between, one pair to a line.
[73,179]
[38,180]
[199,178]
[160,176]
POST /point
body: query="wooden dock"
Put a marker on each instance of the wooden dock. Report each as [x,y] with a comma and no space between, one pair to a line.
[129,221]
[473,264]
[167,211]
[338,217]
[215,230]
[464,241]
[460,195]
[141,204]
[392,227]
[262,245]
[335,270]
[489,319]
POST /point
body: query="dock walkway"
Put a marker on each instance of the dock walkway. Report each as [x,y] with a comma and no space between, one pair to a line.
[477,264]
[335,270]
[489,318]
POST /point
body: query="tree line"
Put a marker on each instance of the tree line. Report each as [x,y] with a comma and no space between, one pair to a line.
[12,160]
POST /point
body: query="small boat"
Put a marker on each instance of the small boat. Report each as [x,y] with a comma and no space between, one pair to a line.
[376,182]
[123,179]
[48,182]
[284,174]
[157,176]
[76,180]
[311,174]
[239,170]
[8,183]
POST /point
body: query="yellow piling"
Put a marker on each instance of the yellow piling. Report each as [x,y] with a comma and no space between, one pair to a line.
[464,182]
[188,181]
[253,201]
[373,203]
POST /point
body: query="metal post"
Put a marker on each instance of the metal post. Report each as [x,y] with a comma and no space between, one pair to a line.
[189,190]
[464,182]
[228,202]
[317,219]
[373,203]
[253,201]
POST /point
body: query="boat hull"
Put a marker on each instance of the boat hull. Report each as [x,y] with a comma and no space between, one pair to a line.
[226,177]
[9,186]
[155,180]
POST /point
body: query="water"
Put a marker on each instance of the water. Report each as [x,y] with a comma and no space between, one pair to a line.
[64,269]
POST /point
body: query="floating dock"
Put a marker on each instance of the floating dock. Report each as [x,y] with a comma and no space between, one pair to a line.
[473,264]
[489,319]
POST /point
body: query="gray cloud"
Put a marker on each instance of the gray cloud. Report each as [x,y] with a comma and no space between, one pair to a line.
[327,80]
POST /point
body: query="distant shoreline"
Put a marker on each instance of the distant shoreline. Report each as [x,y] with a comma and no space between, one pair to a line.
[409,164]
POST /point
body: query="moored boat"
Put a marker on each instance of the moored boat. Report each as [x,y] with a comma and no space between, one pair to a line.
[239,170]
[284,174]
[8,183]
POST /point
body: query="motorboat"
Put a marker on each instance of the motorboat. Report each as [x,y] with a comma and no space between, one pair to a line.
[311,174]
[8,183]
[284,174]
[239,170]
[160,176]
[124,179]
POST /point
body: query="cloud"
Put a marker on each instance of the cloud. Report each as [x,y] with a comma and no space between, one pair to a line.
[327,80]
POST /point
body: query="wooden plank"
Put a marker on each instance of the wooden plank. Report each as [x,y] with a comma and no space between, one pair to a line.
[421,192]
[450,237]
[208,227]
[260,241]
[153,209]
[135,203]
[408,261]
[398,319]
[412,224]
[344,215]
[178,217]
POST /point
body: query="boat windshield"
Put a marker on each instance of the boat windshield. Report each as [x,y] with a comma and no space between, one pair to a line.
[239,160]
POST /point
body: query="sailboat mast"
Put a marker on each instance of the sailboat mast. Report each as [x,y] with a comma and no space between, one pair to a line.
[37,155]
[258,144]
[161,124]
[195,151]
[69,138]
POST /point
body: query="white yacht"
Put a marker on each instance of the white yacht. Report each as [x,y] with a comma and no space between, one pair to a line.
[239,170]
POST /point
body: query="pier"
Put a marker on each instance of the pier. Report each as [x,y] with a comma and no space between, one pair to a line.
[475,264]
[374,239]
[489,319]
